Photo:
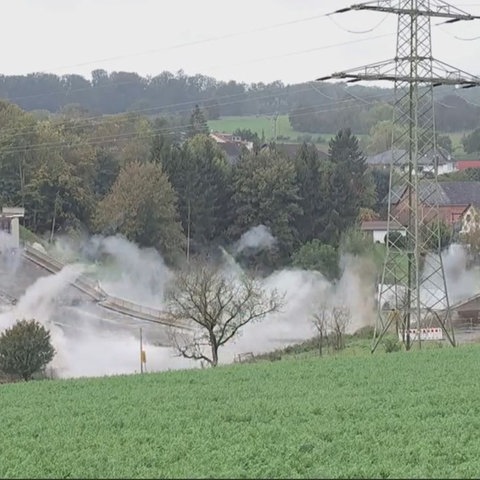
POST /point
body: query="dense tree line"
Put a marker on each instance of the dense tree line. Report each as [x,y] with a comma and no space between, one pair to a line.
[131,175]
[313,108]
[471,142]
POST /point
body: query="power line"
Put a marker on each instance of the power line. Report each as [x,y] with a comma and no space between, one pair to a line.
[330,16]
[115,84]
[105,120]
[83,123]
[311,50]
[199,42]
[407,296]
[153,132]
[468,101]
[471,39]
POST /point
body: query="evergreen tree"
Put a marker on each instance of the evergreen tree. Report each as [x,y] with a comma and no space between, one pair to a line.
[161,142]
[199,173]
[348,182]
[313,191]
[266,193]
[198,123]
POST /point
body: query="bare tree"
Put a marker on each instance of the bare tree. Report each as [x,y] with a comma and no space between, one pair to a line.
[331,324]
[339,320]
[219,304]
[320,321]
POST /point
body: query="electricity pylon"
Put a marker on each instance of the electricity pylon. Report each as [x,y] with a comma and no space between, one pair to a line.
[413,292]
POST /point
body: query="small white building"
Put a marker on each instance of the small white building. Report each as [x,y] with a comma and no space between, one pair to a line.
[377,229]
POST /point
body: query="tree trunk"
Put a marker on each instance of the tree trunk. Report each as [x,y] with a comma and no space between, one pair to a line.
[214,354]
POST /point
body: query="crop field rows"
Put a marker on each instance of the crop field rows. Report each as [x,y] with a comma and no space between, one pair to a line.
[399,415]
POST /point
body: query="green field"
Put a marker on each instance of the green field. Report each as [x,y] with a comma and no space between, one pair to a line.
[399,415]
[258,124]
[285,131]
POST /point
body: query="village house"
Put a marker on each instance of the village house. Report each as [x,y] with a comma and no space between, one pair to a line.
[426,164]
[232,145]
[453,200]
[377,229]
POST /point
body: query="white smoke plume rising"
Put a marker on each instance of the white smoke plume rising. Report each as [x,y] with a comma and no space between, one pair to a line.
[9,261]
[6,241]
[306,293]
[90,343]
[122,268]
[84,348]
[40,302]
[87,345]
[257,238]
[462,282]
[135,274]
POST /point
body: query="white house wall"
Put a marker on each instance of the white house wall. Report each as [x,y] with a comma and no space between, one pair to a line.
[379,235]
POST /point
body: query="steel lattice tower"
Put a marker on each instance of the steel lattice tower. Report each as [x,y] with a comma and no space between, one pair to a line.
[413,292]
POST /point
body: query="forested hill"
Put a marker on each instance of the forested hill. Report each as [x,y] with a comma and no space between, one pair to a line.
[313,107]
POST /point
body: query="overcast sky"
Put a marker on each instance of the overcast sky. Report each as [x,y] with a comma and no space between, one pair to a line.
[150,36]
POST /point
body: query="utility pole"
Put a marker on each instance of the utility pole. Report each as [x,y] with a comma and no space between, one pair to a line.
[142,352]
[188,230]
[413,292]
[275,120]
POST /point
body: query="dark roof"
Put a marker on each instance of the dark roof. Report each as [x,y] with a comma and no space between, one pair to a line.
[447,193]
[462,193]
[232,150]
[380,225]
[400,157]
[385,158]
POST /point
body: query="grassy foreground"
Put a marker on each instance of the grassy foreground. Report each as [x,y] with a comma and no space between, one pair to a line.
[400,415]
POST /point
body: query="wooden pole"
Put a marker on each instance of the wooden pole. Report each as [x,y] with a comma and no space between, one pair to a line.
[141,351]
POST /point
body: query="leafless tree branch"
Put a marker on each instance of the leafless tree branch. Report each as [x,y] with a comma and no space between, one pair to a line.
[219,304]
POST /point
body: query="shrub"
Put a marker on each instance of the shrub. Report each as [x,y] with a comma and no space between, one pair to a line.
[366,332]
[391,345]
[317,256]
[25,349]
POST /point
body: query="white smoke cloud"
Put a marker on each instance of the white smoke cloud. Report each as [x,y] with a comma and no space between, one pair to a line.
[6,241]
[306,292]
[257,238]
[97,353]
[132,273]
[462,282]
[94,342]
[9,260]
[83,346]
[90,343]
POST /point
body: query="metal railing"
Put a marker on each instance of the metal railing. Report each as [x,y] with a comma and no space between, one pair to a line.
[103,299]
[7,298]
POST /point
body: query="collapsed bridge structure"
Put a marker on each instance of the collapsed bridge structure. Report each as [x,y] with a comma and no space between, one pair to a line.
[11,245]
[93,290]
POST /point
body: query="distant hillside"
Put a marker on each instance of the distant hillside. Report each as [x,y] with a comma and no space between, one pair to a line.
[312,107]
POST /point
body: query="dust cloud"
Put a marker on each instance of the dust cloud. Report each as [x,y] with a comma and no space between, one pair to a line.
[91,343]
